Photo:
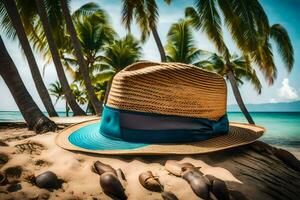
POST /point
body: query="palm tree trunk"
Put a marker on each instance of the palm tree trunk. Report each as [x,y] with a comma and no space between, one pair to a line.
[108,86]
[237,94]
[159,45]
[81,62]
[56,59]
[33,116]
[13,13]
[67,109]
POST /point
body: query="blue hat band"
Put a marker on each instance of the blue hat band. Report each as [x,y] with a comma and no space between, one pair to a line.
[141,127]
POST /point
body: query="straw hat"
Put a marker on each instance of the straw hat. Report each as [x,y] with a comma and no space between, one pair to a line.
[161,108]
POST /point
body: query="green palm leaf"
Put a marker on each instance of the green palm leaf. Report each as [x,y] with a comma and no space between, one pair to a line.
[284,44]
[210,22]
[181,46]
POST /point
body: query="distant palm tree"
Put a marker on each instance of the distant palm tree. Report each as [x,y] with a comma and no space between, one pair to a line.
[80,94]
[33,116]
[80,59]
[11,19]
[55,90]
[146,15]
[249,27]
[56,59]
[241,68]
[94,32]
[181,46]
[122,52]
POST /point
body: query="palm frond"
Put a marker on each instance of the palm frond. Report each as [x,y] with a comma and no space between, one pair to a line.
[284,44]
[86,10]
[141,17]
[127,12]
[193,16]
[6,24]
[263,57]
[246,37]
[210,22]
[181,46]
[152,11]
[102,76]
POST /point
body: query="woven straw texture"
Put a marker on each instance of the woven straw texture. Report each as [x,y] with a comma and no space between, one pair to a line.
[170,89]
[239,134]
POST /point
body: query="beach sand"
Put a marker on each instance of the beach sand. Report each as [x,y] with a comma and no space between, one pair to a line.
[34,154]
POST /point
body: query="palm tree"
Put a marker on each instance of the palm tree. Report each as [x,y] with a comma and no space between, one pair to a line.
[146,16]
[122,52]
[249,27]
[181,46]
[16,23]
[33,116]
[94,32]
[240,66]
[80,59]
[80,94]
[56,59]
[55,90]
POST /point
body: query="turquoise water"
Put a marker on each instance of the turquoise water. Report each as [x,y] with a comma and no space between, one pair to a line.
[15,116]
[283,128]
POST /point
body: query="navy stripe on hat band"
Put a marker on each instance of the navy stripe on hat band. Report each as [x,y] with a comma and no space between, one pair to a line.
[157,128]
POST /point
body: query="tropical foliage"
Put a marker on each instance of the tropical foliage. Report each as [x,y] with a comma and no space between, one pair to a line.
[181,46]
[145,13]
[249,26]
[240,66]
[84,45]
[122,52]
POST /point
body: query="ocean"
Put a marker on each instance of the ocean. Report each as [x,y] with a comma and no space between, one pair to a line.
[283,128]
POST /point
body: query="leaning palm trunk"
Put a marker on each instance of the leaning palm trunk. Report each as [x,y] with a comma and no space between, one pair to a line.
[33,116]
[56,59]
[237,94]
[108,86]
[159,45]
[81,62]
[12,11]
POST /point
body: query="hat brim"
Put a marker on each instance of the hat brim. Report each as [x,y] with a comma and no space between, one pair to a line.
[87,138]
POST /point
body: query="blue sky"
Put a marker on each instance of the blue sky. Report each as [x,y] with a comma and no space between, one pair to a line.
[286,87]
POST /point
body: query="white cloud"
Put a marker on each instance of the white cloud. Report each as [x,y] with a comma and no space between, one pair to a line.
[286,91]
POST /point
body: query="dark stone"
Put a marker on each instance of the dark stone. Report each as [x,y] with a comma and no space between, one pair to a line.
[47,180]
[101,168]
[111,186]
[198,183]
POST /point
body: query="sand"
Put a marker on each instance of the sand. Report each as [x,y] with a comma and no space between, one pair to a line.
[34,154]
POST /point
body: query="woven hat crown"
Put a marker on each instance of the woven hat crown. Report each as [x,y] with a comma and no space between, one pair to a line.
[169,89]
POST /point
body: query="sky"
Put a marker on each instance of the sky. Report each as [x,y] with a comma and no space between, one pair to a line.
[285,89]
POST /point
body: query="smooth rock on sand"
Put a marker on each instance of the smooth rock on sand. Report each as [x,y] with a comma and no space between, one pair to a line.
[47,180]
